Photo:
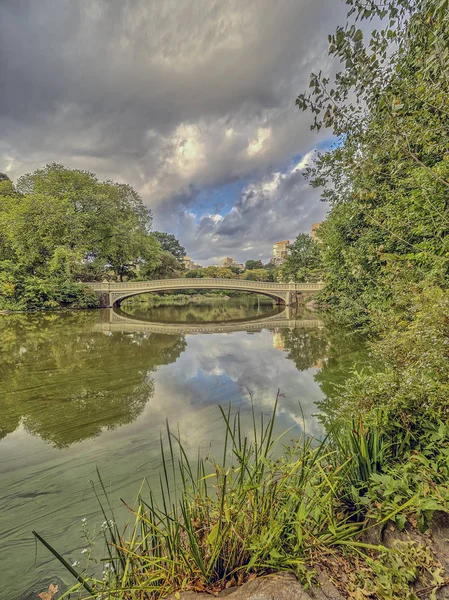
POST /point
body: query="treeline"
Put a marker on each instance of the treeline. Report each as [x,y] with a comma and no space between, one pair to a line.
[302,263]
[60,227]
[385,244]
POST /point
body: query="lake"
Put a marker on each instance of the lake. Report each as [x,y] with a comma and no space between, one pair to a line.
[82,390]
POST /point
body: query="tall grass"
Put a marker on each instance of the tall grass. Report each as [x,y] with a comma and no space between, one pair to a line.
[211,525]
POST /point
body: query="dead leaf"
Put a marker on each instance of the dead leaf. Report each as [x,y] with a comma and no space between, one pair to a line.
[48,595]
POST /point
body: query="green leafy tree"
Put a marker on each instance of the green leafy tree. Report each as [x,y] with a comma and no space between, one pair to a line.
[112,224]
[387,179]
[169,243]
[253,264]
[168,266]
[196,273]
[303,261]
[6,186]
[35,227]
[59,226]
[257,275]
[219,272]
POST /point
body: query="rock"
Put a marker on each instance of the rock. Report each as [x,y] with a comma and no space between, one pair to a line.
[280,586]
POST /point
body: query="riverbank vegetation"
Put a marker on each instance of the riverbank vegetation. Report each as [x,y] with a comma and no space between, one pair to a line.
[384,248]
[60,227]
[308,507]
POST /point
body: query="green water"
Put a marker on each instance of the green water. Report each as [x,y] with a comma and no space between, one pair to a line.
[81,390]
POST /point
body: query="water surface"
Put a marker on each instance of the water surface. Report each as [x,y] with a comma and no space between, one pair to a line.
[81,390]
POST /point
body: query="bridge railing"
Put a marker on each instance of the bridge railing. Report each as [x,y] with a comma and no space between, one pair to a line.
[206,281]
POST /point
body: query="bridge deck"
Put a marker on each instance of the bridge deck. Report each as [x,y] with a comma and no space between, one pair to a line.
[192,283]
[112,293]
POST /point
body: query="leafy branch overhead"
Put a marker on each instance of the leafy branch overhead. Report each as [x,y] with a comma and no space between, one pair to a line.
[387,175]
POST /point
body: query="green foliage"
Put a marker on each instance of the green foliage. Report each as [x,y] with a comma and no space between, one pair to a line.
[31,293]
[257,275]
[169,243]
[212,271]
[58,226]
[412,375]
[253,264]
[254,274]
[387,178]
[218,524]
[28,292]
[303,262]
[167,266]
[393,575]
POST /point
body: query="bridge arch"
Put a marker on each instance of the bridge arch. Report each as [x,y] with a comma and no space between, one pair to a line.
[112,293]
[118,298]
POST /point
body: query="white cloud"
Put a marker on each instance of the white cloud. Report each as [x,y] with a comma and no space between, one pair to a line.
[260,143]
[173,98]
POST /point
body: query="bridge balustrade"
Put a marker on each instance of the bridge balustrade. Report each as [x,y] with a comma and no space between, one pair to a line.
[193,283]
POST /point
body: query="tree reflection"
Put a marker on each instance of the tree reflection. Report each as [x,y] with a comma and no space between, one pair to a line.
[335,352]
[65,383]
[207,311]
[347,353]
[307,348]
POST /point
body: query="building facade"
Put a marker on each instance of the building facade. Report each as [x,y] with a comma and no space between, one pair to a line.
[280,251]
[229,262]
[190,265]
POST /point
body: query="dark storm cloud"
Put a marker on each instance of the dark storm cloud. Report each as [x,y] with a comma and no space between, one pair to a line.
[172,97]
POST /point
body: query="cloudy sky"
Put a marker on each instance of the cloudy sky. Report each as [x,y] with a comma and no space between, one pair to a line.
[189,101]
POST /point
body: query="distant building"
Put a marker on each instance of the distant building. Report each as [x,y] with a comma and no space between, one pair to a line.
[189,264]
[229,262]
[280,251]
[314,233]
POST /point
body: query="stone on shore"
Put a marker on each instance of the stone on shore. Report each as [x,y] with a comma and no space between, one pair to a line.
[280,586]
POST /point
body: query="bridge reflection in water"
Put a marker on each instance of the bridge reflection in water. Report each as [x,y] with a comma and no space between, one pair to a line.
[114,320]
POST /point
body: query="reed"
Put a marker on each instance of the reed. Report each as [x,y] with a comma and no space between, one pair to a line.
[263,507]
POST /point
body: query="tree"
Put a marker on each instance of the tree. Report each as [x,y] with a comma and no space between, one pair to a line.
[6,186]
[256,275]
[253,264]
[302,262]
[167,267]
[169,243]
[35,227]
[112,222]
[61,225]
[219,272]
[387,178]
[196,274]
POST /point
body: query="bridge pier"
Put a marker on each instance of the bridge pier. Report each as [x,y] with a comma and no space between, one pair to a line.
[104,294]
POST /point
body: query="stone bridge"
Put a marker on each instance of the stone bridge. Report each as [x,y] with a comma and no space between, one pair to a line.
[113,321]
[112,293]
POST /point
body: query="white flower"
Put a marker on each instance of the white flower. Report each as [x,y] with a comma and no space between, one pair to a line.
[84,550]
[75,564]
